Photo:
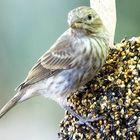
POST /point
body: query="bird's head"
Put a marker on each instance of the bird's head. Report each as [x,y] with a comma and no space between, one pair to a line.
[84,18]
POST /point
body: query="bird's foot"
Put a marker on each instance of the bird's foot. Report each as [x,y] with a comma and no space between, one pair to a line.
[83,120]
[87,121]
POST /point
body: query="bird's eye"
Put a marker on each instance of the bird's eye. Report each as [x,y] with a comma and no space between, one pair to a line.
[89,17]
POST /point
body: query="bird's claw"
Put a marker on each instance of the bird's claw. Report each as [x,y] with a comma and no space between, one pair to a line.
[88,121]
[83,120]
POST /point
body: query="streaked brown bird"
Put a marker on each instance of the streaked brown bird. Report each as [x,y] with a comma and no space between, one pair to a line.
[73,60]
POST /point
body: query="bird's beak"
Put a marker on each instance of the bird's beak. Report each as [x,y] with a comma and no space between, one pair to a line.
[76,24]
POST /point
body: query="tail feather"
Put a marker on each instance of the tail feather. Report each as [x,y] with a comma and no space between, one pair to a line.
[11,104]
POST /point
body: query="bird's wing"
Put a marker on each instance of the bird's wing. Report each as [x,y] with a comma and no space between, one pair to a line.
[59,57]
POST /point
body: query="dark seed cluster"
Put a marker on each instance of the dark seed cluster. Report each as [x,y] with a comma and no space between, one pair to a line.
[114,94]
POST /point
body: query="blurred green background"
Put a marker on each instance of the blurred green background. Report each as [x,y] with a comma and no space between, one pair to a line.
[27,29]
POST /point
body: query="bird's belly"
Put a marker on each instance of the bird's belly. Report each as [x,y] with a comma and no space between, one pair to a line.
[59,87]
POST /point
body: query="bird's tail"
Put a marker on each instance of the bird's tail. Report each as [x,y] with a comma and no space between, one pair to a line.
[11,103]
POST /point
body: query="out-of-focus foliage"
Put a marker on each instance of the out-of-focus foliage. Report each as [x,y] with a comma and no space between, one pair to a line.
[27,29]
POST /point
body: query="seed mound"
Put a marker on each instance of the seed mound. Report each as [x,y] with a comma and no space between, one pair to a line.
[113,94]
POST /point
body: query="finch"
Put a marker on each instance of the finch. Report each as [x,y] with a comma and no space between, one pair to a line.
[73,60]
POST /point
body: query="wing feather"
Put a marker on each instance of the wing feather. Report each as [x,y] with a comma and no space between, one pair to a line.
[59,57]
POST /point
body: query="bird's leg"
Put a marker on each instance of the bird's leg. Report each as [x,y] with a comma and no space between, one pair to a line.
[81,88]
[82,120]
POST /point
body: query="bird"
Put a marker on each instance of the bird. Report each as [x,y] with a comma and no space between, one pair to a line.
[71,62]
